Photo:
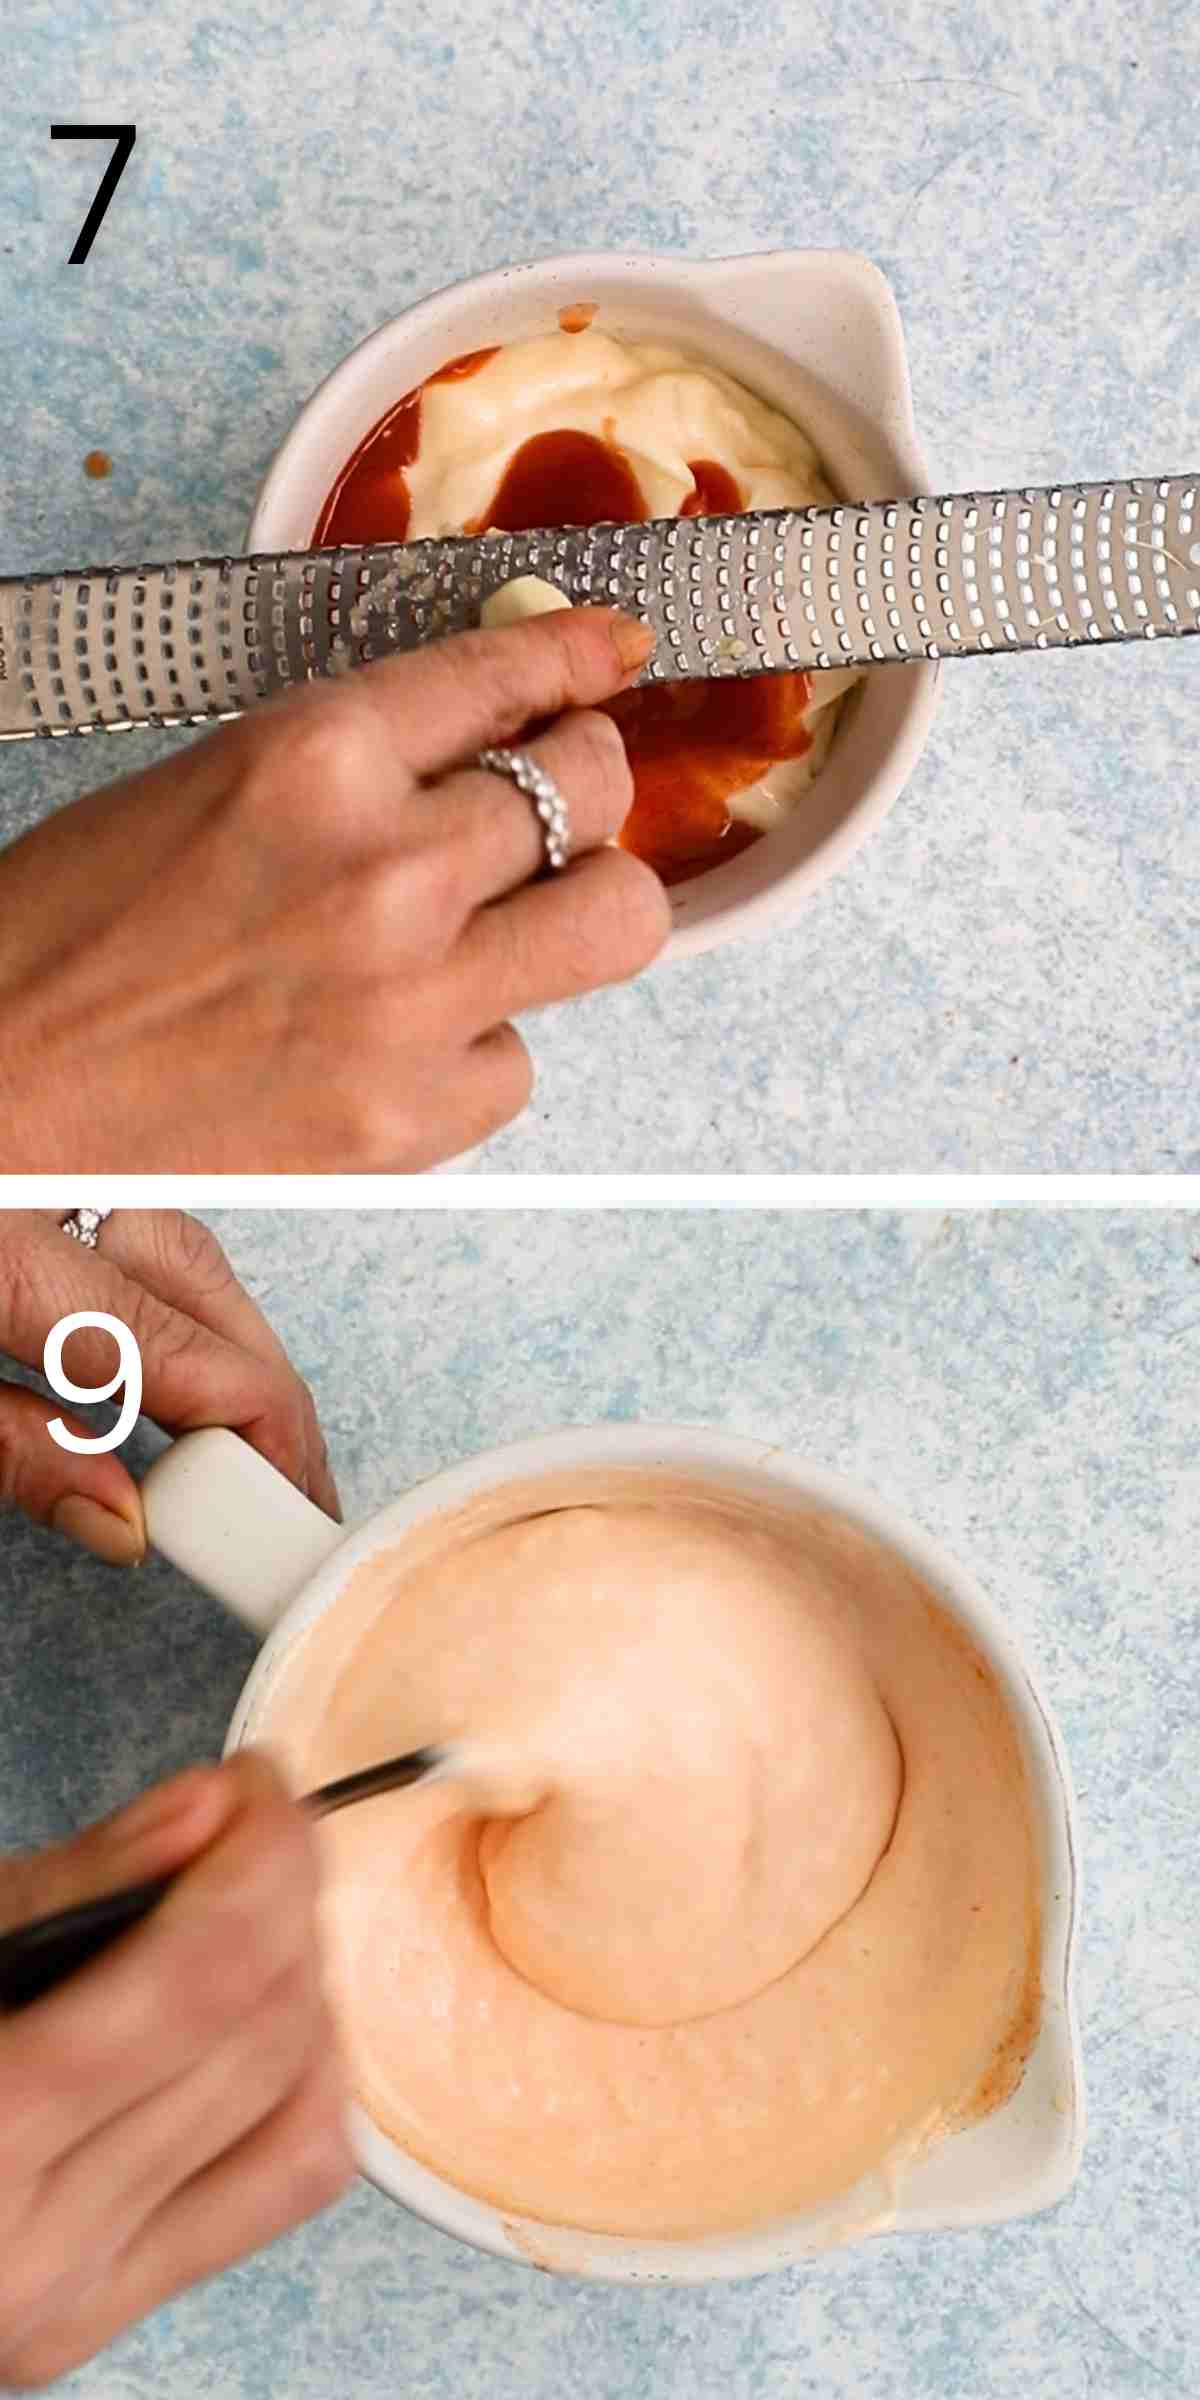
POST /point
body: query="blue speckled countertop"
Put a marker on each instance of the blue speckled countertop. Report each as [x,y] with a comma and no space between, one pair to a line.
[1009,976]
[1026,1386]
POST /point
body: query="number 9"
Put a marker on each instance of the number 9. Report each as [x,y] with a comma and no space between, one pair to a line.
[128,1375]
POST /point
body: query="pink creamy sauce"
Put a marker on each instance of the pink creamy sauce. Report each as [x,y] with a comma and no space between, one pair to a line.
[740,1907]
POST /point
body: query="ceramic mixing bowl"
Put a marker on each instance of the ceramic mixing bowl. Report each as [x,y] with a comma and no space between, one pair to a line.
[230,1521]
[817,335]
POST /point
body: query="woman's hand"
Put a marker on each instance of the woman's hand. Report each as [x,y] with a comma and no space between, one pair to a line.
[208,1358]
[180,2100]
[297,946]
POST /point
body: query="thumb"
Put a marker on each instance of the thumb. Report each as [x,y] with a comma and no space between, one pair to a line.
[157,1834]
[91,1498]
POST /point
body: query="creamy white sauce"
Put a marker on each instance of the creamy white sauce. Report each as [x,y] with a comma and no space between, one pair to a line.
[661,408]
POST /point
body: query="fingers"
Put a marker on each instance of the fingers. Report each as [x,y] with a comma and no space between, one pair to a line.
[210,2164]
[182,1262]
[443,704]
[191,1376]
[599,923]
[328,773]
[494,1084]
[103,2192]
[147,2011]
[154,1835]
[296,2161]
[93,1500]
[459,1103]
[136,2202]
[495,828]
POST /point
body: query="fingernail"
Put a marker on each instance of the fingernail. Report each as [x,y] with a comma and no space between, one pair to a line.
[100,1530]
[632,641]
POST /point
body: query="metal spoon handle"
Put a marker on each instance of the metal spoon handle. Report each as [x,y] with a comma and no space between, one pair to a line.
[391,1775]
[36,1957]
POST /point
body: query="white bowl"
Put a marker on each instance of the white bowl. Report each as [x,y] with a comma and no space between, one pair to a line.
[216,1508]
[816,333]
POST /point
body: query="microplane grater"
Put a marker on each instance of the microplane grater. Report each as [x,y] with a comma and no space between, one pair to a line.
[866,584]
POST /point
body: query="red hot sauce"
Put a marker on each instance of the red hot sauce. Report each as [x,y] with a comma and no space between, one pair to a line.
[691,746]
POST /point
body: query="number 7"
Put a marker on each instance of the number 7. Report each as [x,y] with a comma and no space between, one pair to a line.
[124,136]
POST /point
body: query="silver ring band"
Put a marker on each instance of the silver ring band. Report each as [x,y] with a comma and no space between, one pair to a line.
[542,791]
[83,1225]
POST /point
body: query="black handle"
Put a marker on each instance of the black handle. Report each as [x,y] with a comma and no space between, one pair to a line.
[33,1958]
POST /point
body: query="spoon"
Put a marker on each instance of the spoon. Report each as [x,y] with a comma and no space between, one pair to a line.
[35,1957]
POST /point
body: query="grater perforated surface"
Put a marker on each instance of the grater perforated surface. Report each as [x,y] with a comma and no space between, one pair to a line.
[870,584]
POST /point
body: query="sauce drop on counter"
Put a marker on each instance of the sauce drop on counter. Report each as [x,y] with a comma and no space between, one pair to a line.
[691,746]
[577,317]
